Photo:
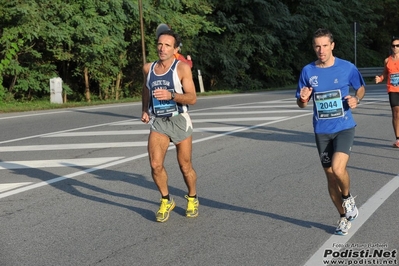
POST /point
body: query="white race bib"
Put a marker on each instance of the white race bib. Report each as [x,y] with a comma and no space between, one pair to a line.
[329,104]
[164,108]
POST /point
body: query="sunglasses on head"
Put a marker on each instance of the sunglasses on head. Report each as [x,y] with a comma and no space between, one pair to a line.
[395,45]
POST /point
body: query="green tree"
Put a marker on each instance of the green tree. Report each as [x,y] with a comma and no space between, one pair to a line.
[27,72]
[95,46]
[257,45]
[99,45]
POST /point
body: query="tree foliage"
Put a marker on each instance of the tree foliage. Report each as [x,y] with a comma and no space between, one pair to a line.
[96,48]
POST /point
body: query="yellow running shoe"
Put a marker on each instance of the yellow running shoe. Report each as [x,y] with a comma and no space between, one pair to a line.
[164,210]
[192,207]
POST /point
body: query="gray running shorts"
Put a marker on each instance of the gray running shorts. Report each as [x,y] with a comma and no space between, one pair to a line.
[177,128]
[328,144]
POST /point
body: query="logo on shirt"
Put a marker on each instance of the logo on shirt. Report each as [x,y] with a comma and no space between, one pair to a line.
[160,82]
[313,81]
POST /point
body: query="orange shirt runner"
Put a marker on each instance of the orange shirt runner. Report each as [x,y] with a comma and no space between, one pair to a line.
[392,68]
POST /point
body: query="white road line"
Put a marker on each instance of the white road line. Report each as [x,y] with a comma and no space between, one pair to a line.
[56,147]
[221,120]
[9,186]
[243,119]
[252,112]
[107,165]
[365,211]
[56,163]
[259,107]
[131,132]
[215,129]
[66,111]
[69,130]
[100,133]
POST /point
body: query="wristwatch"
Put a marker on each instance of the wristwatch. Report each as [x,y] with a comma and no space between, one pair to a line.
[172,95]
[358,100]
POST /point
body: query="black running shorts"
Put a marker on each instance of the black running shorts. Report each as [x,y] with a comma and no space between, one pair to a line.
[394,99]
[328,144]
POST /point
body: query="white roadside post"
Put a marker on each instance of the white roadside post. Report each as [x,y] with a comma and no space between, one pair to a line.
[56,90]
[201,83]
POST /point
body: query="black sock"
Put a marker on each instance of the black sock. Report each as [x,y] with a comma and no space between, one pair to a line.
[166,197]
[342,215]
[397,137]
[192,196]
[345,197]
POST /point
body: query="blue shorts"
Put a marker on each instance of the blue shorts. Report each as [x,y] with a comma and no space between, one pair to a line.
[328,144]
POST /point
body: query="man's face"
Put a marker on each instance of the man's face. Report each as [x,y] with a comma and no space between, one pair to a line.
[165,47]
[395,46]
[323,48]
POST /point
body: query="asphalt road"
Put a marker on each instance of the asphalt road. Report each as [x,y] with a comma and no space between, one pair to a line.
[76,189]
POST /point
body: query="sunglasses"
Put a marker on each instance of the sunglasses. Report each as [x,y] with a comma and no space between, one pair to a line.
[395,45]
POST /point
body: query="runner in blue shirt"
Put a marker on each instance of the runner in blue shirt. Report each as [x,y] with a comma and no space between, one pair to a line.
[327,82]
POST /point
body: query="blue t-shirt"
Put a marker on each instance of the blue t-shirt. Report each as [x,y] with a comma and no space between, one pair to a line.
[331,112]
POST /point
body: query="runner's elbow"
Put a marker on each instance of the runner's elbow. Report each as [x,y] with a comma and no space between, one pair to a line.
[193,101]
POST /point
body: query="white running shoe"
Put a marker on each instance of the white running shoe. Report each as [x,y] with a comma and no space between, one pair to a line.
[343,227]
[351,211]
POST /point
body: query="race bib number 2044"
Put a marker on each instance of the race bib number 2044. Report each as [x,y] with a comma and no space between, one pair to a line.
[329,104]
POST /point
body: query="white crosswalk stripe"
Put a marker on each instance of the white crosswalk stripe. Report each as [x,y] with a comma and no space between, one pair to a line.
[73,146]
[9,186]
[55,163]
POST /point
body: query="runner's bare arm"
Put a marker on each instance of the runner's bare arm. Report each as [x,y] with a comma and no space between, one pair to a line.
[145,95]
[360,93]
[186,78]
[380,78]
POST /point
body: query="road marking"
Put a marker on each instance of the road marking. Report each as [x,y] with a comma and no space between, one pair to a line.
[56,163]
[100,133]
[131,132]
[88,109]
[217,120]
[56,147]
[9,186]
[250,112]
[62,131]
[129,159]
[365,211]
[259,107]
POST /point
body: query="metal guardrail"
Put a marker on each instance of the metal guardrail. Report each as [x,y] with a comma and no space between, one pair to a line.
[371,71]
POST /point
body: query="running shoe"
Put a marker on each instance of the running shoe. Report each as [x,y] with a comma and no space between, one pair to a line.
[343,227]
[351,211]
[192,207]
[396,144]
[166,207]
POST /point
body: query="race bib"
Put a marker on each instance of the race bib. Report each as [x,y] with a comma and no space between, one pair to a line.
[394,79]
[329,104]
[164,108]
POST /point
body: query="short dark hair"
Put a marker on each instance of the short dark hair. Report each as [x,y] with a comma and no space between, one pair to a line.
[394,38]
[321,32]
[174,35]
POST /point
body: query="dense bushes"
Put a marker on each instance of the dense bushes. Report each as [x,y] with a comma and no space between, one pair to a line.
[95,46]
